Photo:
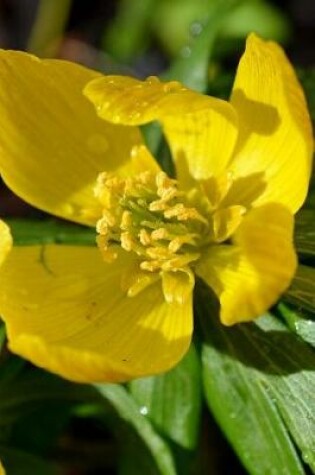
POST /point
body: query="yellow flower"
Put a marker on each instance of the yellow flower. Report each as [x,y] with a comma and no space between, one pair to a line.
[2,471]
[124,309]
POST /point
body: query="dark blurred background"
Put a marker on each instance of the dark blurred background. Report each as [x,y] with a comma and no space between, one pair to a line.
[95,23]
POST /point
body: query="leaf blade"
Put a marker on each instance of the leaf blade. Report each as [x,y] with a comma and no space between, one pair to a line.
[238,390]
[128,411]
[172,401]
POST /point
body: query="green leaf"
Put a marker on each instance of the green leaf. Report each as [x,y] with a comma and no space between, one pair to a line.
[221,85]
[192,69]
[307,78]
[22,387]
[28,232]
[17,462]
[259,16]
[301,293]
[2,335]
[128,411]
[48,419]
[127,35]
[260,385]
[188,16]
[298,324]
[10,370]
[172,401]
[305,232]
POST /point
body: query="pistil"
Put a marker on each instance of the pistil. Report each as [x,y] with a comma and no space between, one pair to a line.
[148,215]
[167,229]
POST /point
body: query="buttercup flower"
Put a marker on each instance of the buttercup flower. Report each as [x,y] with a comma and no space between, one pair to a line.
[123,309]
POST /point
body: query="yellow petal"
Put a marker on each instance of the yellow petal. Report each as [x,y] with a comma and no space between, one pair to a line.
[5,241]
[275,139]
[141,160]
[201,130]
[178,286]
[202,142]
[52,144]
[226,221]
[2,471]
[250,275]
[66,311]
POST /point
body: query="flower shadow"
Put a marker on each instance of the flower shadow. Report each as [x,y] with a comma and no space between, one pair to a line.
[264,119]
[265,345]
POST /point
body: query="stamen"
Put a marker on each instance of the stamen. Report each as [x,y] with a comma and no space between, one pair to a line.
[126,220]
[166,228]
[145,237]
[126,241]
[159,234]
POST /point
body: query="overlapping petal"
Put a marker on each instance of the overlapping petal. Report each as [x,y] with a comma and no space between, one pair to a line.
[275,143]
[201,130]
[67,311]
[52,144]
[5,241]
[250,275]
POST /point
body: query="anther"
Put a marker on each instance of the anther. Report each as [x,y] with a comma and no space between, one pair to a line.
[126,241]
[158,234]
[126,220]
[145,237]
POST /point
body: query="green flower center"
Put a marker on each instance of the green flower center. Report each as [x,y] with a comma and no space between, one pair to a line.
[167,228]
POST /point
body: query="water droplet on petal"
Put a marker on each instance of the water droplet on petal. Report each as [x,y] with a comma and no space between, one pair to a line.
[116,118]
[172,86]
[134,151]
[97,144]
[73,287]
[67,209]
[230,176]
[105,105]
[23,292]
[152,80]
[31,306]
[134,115]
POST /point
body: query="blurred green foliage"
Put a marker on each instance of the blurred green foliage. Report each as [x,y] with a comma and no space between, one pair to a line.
[175,23]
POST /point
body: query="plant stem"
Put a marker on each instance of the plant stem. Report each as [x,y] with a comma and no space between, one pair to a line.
[48,28]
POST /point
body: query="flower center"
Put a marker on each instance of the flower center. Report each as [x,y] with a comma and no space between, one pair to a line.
[167,229]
